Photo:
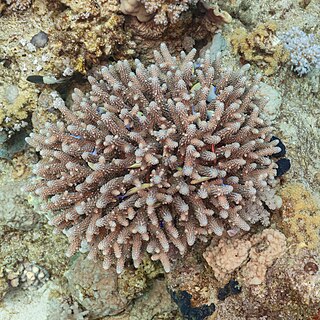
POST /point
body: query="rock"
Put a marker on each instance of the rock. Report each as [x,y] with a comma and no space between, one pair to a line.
[15,212]
[11,93]
[4,287]
[272,108]
[94,288]
[154,304]
[40,39]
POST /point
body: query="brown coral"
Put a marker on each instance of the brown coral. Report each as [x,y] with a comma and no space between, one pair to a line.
[267,247]
[155,158]
[227,256]
[190,27]
[253,256]
[288,291]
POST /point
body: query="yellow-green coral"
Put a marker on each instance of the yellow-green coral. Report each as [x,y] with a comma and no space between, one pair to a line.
[260,46]
[301,215]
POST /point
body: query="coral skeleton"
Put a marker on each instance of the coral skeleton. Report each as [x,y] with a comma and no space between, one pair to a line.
[156,157]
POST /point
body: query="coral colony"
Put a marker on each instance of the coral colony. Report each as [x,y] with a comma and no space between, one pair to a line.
[156,157]
[304,50]
[160,11]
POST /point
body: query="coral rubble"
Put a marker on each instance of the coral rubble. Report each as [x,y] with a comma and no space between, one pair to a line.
[27,275]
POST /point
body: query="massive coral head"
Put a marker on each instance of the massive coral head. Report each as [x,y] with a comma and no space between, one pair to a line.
[156,157]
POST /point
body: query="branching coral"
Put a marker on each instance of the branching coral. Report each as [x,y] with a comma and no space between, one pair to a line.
[161,11]
[304,50]
[301,215]
[153,159]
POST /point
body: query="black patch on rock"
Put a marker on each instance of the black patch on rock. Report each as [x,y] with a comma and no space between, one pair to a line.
[183,300]
[232,287]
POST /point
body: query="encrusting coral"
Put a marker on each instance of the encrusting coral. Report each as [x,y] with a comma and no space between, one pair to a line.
[253,256]
[227,256]
[154,158]
[266,248]
[260,46]
[300,215]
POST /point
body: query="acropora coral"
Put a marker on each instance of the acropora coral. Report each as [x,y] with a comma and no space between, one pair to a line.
[156,157]
[304,50]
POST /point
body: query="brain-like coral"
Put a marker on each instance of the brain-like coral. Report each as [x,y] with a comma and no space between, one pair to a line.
[156,157]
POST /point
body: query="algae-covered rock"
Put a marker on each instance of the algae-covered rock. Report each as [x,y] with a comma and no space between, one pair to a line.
[301,215]
[4,287]
[15,212]
[133,282]
[13,145]
[291,291]
[260,46]
[155,304]
[94,288]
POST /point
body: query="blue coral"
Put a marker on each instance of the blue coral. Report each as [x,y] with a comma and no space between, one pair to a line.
[304,50]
